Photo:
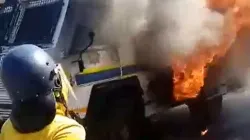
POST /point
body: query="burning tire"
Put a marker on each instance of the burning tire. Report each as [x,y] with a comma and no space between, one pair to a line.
[205,112]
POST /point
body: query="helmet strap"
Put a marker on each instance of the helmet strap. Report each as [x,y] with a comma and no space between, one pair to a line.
[60,97]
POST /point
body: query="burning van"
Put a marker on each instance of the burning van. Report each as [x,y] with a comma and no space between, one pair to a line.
[118,93]
[121,85]
[125,97]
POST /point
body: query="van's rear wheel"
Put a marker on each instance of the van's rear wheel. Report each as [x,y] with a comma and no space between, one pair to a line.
[205,112]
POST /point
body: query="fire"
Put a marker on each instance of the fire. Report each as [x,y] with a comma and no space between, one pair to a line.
[204,132]
[190,72]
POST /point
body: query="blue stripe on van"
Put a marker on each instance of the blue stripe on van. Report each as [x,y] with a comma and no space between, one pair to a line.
[87,78]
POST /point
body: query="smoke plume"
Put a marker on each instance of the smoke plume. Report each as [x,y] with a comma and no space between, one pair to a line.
[122,20]
[175,27]
[158,29]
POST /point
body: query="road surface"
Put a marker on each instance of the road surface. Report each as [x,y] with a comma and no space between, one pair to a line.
[234,123]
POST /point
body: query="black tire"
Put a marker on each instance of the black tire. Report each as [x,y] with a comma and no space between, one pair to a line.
[205,112]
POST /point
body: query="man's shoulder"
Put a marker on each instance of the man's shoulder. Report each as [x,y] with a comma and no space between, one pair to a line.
[6,124]
[66,127]
[60,119]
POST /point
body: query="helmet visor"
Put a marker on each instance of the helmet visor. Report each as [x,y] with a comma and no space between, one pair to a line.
[67,90]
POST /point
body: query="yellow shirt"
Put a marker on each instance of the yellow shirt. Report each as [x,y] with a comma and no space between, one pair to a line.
[62,128]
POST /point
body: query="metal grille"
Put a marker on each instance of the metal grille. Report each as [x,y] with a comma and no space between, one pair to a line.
[4,98]
[5,20]
[39,3]
[5,113]
[40,30]
[5,102]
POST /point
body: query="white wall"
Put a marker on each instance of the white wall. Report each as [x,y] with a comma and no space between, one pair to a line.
[87,13]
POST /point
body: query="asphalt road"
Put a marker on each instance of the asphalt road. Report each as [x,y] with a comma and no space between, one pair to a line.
[234,123]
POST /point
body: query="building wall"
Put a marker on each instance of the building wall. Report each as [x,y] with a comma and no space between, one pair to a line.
[88,14]
[85,13]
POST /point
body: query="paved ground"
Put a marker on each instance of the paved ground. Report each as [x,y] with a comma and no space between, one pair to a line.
[234,123]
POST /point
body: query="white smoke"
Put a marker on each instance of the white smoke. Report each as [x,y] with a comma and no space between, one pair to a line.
[122,21]
[158,28]
[184,23]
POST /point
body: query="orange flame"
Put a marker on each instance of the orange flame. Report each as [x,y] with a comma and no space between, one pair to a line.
[190,72]
[204,132]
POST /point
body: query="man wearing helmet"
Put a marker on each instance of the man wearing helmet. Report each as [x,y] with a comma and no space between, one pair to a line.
[38,90]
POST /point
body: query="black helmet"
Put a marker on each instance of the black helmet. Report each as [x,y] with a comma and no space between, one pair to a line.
[27,72]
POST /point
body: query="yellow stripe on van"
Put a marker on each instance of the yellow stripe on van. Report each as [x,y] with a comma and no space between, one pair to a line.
[98,69]
[127,76]
[101,69]
[80,110]
[104,73]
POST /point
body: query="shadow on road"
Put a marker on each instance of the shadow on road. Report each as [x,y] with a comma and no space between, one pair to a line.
[234,123]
